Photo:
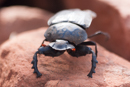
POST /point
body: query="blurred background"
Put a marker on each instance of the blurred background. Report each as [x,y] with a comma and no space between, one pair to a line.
[113,17]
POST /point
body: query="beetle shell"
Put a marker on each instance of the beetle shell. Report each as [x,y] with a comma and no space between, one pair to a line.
[66,31]
[77,16]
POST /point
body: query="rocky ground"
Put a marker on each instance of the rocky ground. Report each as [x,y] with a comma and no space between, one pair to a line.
[62,71]
[65,71]
[16,19]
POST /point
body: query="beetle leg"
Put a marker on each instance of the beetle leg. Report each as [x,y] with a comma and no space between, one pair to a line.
[94,61]
[82,50]
[90,43]
[34,62]
[98,33]
[47,51]
[94,56]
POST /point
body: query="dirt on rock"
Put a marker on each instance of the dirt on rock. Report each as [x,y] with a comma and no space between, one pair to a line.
[17,53]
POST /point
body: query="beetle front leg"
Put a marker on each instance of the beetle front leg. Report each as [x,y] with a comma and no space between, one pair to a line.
[82,50]
[41,50]
[94,61]
[47,51]
[34,62]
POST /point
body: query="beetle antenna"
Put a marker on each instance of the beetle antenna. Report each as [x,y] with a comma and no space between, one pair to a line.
[43,42]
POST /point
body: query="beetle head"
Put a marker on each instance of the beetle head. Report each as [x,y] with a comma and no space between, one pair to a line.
[61,45]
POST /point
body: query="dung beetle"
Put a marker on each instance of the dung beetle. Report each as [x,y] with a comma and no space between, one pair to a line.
[66,32]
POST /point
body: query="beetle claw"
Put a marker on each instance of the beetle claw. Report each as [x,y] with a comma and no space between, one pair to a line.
[90,75]
[39,75]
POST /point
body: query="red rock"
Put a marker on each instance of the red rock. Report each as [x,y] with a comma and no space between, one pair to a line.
[113,16]
[63,71]
[21,18]
[50,5]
